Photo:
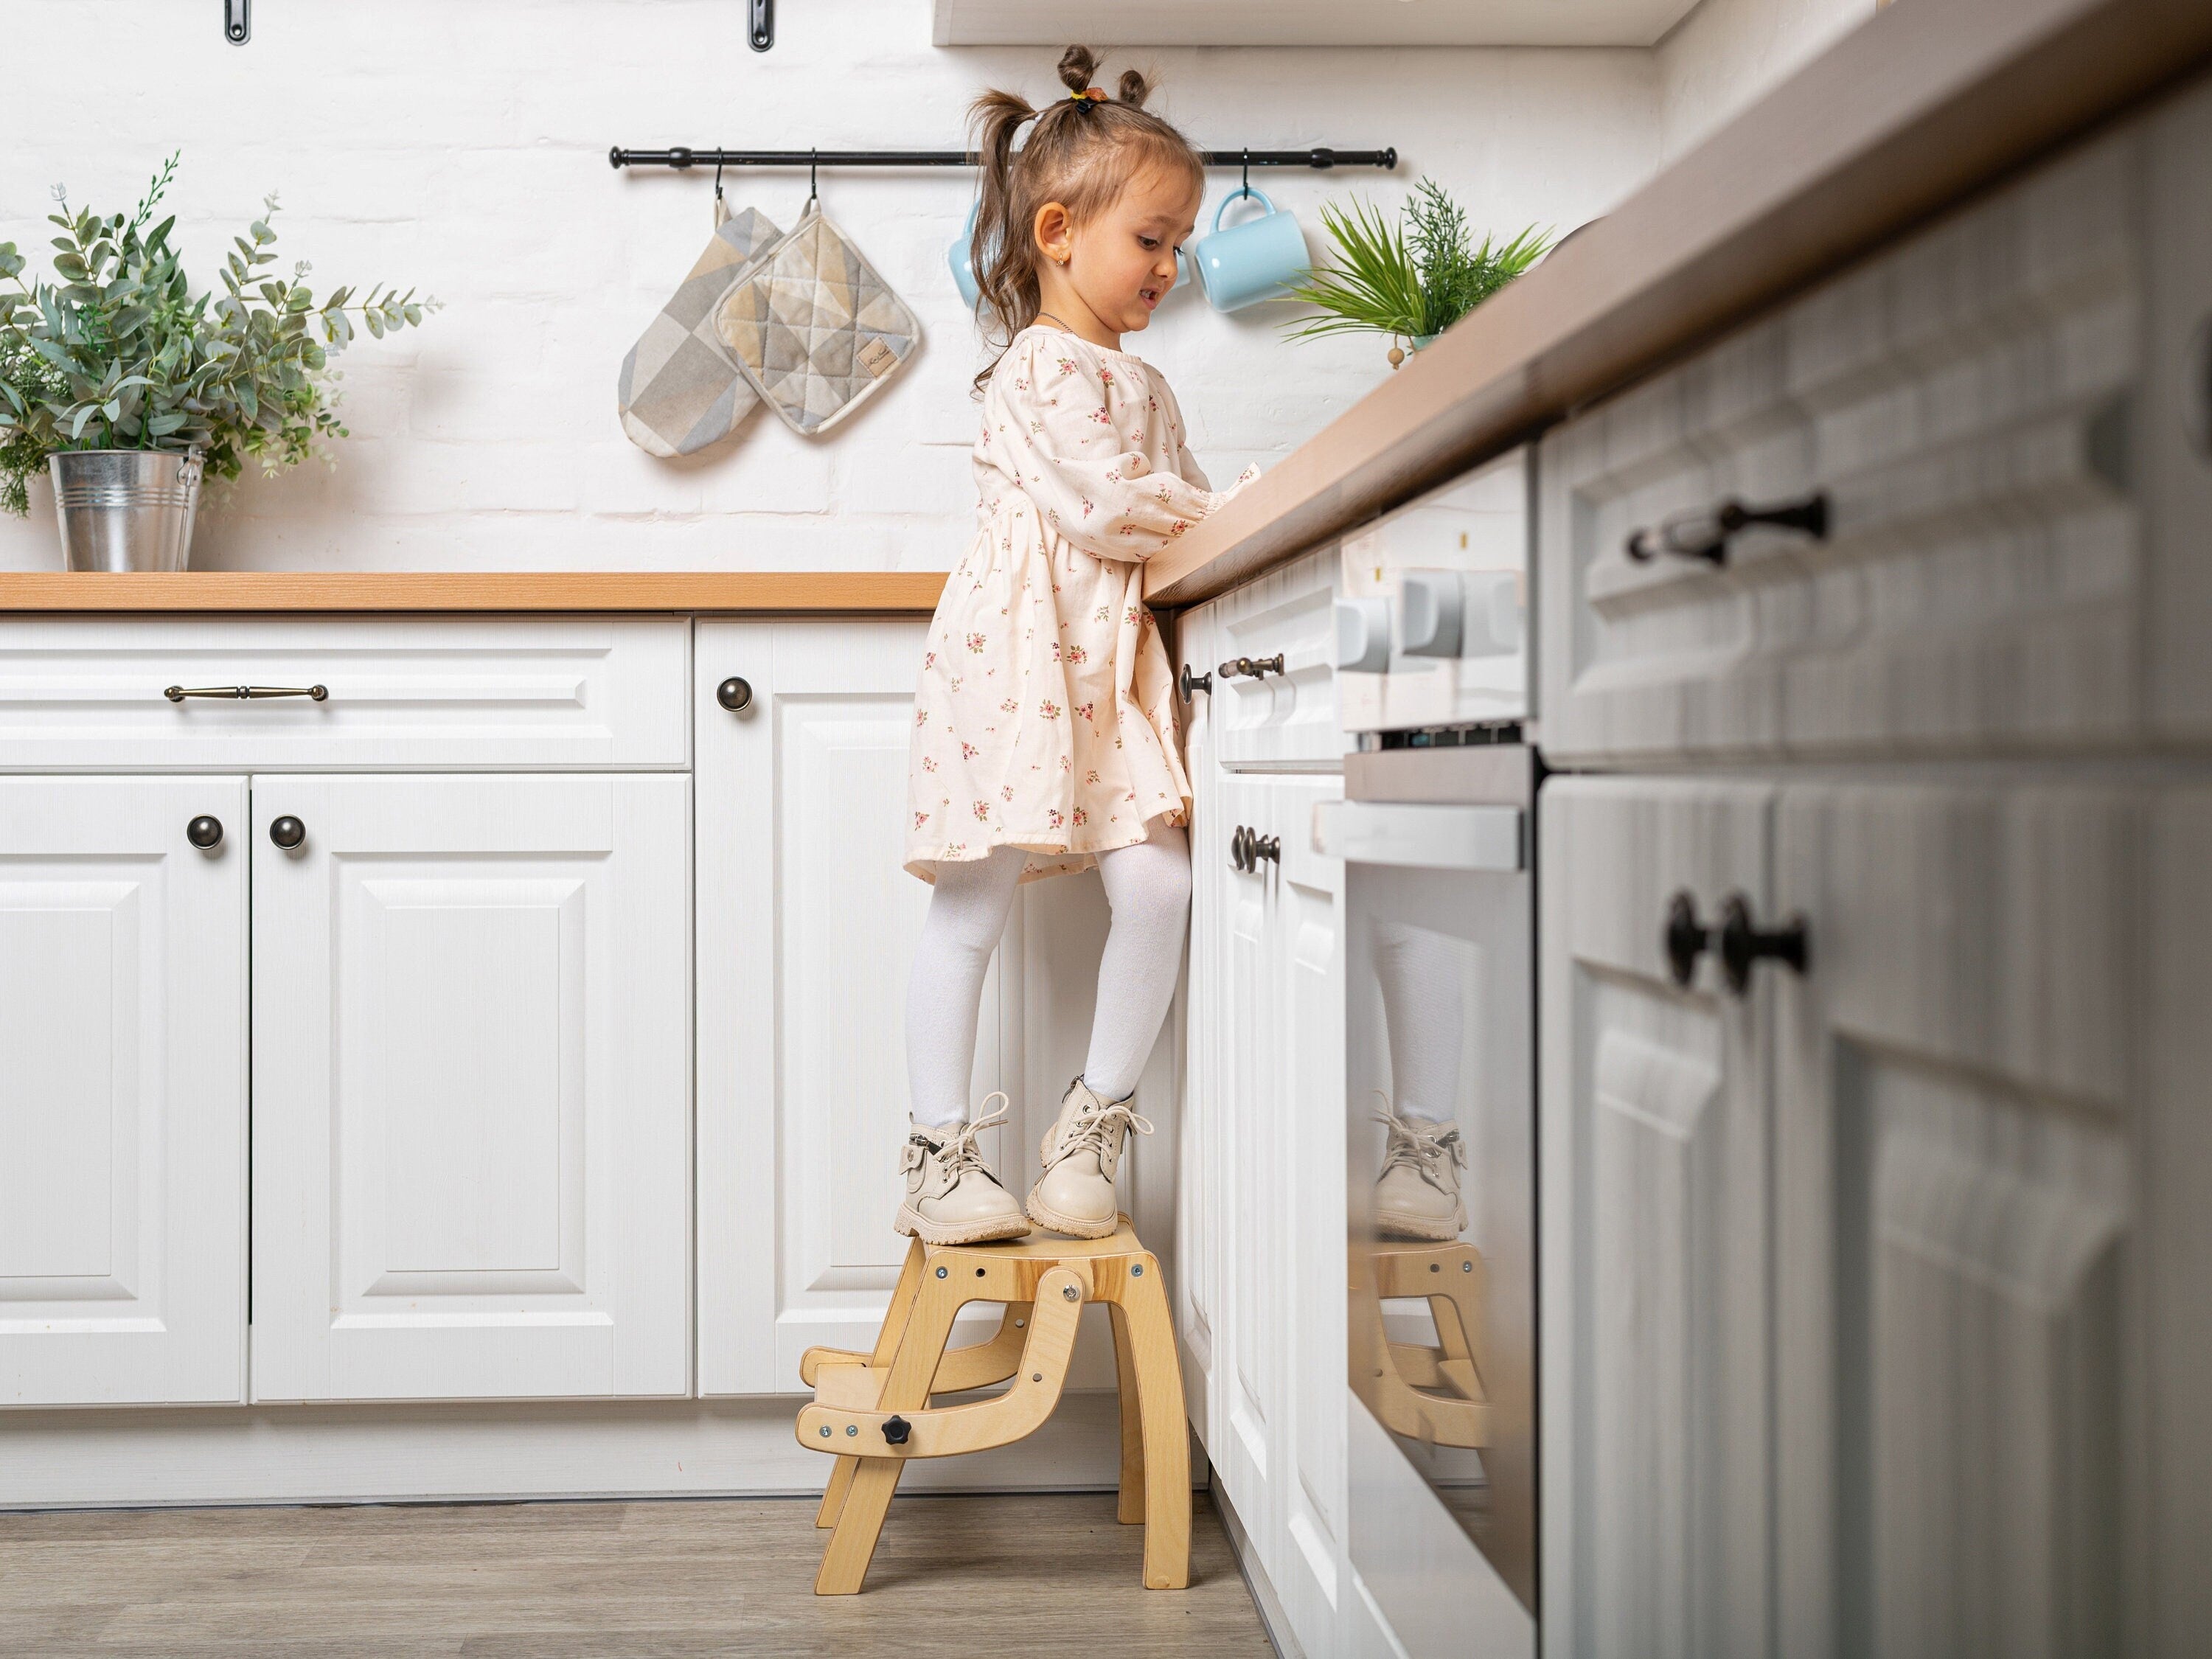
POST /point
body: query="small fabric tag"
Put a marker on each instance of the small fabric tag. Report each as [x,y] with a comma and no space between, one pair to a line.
[877,359]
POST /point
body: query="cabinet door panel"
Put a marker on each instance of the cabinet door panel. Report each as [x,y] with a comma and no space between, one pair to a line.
[1654,1229]
[1956,1223]
[122,1092]
[807,921]
[471,1011]
[1202,1226]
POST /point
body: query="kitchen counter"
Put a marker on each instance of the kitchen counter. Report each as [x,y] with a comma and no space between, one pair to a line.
[1923,105]
[848,592]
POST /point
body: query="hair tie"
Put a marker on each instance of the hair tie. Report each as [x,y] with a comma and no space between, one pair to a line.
[1087,97]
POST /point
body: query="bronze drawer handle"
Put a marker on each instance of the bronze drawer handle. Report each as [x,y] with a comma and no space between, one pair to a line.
[248,693]
[1704,532]
[1252,668]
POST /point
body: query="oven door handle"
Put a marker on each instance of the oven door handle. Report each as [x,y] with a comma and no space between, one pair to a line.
[1422,836]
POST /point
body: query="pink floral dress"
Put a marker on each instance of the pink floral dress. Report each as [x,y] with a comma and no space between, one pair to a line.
[1046,715]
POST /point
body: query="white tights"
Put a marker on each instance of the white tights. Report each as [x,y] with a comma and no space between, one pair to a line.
[1148,887]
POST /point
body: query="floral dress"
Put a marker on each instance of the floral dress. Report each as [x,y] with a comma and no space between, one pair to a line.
[1046,715]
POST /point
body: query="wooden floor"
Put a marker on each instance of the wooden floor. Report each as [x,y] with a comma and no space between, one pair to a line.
[955,1577]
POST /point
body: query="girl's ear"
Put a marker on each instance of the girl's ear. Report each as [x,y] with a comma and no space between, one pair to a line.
[1055,231]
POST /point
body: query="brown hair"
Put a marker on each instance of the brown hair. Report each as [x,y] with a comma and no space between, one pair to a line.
[1081,154]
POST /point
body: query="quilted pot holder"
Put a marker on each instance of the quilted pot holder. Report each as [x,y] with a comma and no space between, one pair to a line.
[680,392]
[813,327]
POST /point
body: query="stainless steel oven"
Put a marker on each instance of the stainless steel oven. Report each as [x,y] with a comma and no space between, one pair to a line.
[1437,835]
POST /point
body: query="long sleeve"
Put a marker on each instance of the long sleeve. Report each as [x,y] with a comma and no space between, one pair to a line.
[1082,456]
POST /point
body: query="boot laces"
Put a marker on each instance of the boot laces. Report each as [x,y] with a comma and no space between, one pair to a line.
[1099,1129]
[958,1152]
[1419,1146]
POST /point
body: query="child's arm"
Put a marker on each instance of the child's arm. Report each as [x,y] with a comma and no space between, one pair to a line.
[1089,480]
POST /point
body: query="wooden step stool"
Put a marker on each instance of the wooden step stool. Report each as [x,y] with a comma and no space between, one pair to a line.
[872,1410]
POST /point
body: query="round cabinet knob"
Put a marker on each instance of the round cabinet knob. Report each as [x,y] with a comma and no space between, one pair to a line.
[1684,939]
[1264,847]
[896,1430]
[288,833]
[1240,848]
[1743,944]
[205,833]
[734,695]
[1189,683]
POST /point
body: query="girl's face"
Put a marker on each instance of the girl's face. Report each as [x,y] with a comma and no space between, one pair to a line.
[1121,263]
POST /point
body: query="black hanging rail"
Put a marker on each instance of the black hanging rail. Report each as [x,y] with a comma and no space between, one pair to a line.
[1320,159]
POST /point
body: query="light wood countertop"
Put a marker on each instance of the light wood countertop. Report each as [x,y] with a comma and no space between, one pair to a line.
[1925,103]
[843,591]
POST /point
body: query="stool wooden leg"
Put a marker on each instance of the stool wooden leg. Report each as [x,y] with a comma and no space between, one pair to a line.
[1166,1431]
[1129,1510]
[887,1340]
[920,1346]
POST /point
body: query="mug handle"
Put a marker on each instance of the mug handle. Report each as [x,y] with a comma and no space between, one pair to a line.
[1240,191]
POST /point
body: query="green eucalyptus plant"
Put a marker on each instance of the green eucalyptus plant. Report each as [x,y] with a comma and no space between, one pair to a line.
[118,353]
[1413,279]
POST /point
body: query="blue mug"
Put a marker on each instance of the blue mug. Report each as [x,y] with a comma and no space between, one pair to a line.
[1256,260]
[962,258]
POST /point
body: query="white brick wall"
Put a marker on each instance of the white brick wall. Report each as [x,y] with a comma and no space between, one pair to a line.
[461,147]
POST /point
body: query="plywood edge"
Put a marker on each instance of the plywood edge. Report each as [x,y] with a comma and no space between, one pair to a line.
[755,592]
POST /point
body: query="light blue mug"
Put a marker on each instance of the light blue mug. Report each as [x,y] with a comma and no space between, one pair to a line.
[960,257]
[1256,260]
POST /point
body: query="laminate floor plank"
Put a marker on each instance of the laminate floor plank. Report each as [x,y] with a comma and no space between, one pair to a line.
[1041,1574]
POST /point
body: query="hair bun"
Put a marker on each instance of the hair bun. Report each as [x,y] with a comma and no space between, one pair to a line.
[1134,90]
[1077,65]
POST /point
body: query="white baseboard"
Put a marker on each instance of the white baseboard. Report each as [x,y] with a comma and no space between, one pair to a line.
[1273,1618]
[393,1454]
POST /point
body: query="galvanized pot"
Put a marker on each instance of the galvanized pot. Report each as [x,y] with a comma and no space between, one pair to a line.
[125,509]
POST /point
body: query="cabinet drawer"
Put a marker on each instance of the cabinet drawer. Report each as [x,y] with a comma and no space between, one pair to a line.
[420,694]
[1285,717]
[1964,406]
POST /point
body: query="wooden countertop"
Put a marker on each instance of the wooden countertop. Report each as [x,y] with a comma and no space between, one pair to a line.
[846,592]
[1925,103]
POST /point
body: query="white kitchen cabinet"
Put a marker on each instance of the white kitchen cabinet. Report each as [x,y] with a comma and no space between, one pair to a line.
[123,981]
[806,922]
[471,1015]
[1958,1288]
[1280,712]
[1655,1137]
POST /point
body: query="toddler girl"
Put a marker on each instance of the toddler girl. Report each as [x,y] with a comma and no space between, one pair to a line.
[1044,736]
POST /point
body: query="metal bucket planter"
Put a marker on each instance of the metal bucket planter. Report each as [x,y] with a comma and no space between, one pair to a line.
[125,509]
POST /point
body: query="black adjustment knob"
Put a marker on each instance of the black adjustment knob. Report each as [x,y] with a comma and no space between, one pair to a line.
[288,833]
[1743,943]
[734,695]
[896,1430]
[1684,939]
[205,833]
[1189,683]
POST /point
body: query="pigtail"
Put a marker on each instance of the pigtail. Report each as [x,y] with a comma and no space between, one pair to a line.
[1080,153]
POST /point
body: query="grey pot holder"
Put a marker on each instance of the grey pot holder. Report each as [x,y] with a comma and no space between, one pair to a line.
[681,390]
[816,331]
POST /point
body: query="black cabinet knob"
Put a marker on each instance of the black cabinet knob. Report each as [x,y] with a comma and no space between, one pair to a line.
[1189,683]
[734,695]
[1684,939]
[1744,943]
[205,833]
[896,1430]
[288,833]
[1704,532]
[1266,846]
[1240,848]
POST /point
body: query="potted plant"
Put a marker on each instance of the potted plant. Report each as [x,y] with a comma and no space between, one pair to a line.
[128,388]
[1411,280]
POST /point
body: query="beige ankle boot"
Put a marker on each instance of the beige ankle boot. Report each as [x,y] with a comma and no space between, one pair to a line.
[951,1196]
[1075,1194]
[1417,1195]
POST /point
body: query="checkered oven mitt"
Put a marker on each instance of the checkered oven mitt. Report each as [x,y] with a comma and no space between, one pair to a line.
[680,391]
[816,330]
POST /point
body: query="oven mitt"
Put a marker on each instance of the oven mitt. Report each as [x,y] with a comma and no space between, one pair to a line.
[680,391]
[816,330]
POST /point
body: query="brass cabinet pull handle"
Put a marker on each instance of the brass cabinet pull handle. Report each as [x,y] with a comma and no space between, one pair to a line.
[248,693]
[1704,532]
[1252,668]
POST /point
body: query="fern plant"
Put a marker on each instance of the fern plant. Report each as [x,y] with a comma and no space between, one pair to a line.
[1412,279]
[118,354]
